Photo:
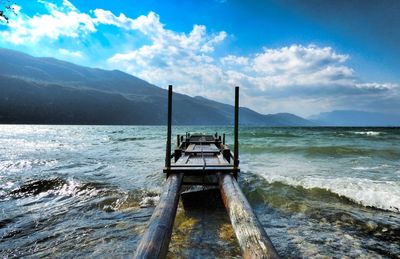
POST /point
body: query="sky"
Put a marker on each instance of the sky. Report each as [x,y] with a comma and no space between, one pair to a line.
[302,57]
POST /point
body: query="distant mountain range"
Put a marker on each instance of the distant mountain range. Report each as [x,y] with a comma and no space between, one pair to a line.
[49,91]
[356,119]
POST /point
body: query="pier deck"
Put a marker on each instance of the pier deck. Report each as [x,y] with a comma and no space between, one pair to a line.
[204,160]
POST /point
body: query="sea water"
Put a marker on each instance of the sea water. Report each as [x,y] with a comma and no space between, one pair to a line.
[89,191]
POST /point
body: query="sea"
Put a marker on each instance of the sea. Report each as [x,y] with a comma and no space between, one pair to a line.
[89,191]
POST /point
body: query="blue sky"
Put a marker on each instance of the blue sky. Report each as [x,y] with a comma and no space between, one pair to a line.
[303,57]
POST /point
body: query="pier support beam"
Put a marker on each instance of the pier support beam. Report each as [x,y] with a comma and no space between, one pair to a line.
[155,242]
[253,240]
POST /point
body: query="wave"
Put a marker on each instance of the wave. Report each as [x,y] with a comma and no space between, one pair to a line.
[268,134]
[129,200]
[129,139]
[383,195]
[56,186]
[368,133]
[106,198]
[369,168]
[12,165]
[331,151]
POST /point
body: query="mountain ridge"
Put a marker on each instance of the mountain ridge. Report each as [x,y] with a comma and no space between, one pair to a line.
[51,91]
[356,118]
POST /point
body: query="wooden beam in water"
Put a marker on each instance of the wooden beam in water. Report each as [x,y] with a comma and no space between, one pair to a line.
[155,242]
[252,237]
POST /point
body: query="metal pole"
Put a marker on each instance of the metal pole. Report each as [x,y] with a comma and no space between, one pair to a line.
[168,149]
[236,133]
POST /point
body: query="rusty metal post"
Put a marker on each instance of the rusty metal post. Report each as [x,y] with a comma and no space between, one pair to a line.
[236,132]
[168,148]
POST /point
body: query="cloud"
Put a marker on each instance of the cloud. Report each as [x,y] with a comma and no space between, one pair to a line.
[182,59]
[68,53]
[295,78]
[64,20]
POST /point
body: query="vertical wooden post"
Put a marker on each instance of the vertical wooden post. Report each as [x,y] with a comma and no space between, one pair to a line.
[223,139]
[168,148]
[236,133]
[178,140]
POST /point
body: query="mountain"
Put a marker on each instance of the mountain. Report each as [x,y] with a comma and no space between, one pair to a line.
[49,91]
[356,118]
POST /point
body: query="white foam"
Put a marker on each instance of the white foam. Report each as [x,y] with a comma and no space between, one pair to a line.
[379,194]
[368,133]
[5,187]
[149,201]
[367,168]
[71,188]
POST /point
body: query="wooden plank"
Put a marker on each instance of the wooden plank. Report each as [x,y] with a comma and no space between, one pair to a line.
[205,151]
[182,160]
[222,160]
[200,171]
[206,148]
[154,243]
[252,237]
[190,147]
[201,166]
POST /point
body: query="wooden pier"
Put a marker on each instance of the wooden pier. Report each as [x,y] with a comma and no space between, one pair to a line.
[204,160]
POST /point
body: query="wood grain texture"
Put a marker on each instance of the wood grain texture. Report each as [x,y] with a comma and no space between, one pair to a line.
[155,242]
[253,239]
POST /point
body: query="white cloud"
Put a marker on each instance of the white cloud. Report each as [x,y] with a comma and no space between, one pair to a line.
[184,60]
[295,78]
[301,65]
[68,53]
[63,20]
[232,60]
[376,86]
[16,8]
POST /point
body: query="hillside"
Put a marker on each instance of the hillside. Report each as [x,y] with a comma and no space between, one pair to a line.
[49,91]
[356,118]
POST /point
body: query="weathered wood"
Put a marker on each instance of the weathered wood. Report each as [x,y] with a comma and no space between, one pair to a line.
[199,170]
[154,243]
[168,148]
[236,133]
[252,237]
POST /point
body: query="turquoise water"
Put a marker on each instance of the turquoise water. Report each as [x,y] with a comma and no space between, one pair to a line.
[88,191]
